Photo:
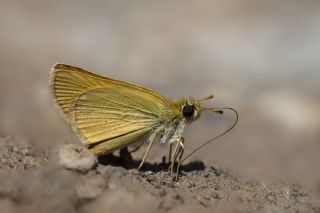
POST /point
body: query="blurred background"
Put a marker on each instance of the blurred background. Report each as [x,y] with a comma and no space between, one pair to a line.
[260,57]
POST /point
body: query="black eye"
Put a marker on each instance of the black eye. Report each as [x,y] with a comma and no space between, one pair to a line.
[188,110]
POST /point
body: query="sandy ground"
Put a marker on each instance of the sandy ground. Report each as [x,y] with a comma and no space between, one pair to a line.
[33,181]
[260,57]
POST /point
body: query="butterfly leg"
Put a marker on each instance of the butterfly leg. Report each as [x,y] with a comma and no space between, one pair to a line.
[170,152]
[173,160]
[179,150]
[146,154]
[173,157]
[180,156]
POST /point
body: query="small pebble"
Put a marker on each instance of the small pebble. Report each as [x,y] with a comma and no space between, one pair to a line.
[217,187]
[151,178]
[216,170]
[215,195]
[206,174]
[134,171]
[148,173]
[76,157]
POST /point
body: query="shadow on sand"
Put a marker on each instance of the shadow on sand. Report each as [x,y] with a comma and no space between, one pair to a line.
[126,161]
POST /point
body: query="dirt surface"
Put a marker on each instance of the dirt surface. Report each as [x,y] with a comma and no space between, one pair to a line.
[34,181]
[259,57]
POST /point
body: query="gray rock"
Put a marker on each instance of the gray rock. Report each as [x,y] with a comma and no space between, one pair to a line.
[76,157]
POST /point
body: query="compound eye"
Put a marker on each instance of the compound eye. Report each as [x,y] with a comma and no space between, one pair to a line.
[188,110]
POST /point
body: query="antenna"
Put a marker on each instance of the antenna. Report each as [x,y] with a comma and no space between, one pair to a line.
[220,111]
[206,98]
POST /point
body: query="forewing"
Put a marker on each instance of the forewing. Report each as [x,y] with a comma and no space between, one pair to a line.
[68,82]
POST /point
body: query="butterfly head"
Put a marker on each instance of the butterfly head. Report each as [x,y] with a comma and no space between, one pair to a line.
[191,109]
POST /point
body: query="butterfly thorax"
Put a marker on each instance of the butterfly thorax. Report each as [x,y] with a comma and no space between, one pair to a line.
[175,119]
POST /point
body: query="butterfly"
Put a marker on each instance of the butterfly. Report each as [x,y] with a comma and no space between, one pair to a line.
[109,114]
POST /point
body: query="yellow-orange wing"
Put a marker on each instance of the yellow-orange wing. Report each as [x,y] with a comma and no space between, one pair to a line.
[67,82]
[106,113]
